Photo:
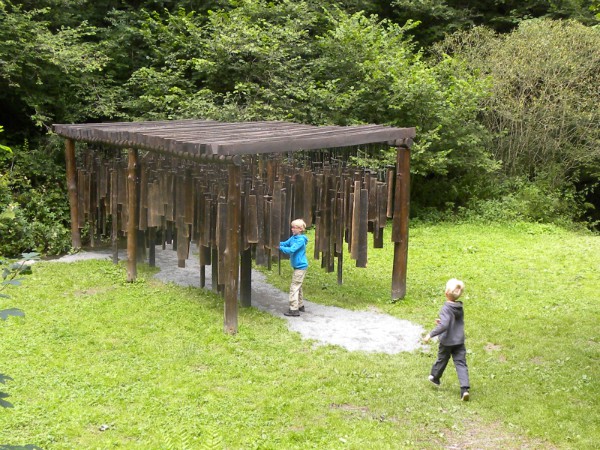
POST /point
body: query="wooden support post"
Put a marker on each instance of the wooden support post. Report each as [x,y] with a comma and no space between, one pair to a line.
[141,217]
[131,216]
[400,222]
[93,207]
[114,212]
[232,251]
[72,188]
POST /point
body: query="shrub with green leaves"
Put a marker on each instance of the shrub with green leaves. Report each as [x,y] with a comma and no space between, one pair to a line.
[34,210]
[291,61]
[543,104]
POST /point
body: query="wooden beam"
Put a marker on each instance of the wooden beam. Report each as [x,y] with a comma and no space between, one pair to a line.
[232,250]
[114,213]
[72,189]
[131,216]
[400,222]
[215,142]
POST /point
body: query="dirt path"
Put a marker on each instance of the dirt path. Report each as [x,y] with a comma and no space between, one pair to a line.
[367,331]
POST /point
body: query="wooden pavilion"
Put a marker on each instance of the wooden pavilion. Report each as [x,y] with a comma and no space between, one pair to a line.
[233,188]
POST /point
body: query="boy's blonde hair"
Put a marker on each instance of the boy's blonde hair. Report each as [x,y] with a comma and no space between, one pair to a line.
[299,223]
[454,288]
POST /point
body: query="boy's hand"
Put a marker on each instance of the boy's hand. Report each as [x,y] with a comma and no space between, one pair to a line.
[438,321]
[426,338]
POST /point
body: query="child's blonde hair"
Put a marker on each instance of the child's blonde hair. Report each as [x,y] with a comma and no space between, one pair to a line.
[454,288]
[299,223]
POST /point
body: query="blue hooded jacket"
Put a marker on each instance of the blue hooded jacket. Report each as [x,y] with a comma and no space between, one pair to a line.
[295,246]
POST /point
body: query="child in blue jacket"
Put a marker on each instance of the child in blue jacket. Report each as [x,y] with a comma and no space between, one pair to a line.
[295,246]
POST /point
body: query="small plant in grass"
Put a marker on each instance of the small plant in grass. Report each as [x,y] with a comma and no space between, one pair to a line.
[10,272]
[13,269]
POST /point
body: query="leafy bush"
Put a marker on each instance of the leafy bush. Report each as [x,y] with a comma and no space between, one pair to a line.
[34,210]
[520,200]
[287,61]
[543,103]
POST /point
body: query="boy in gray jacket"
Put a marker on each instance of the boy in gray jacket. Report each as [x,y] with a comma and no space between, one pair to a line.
[451,331]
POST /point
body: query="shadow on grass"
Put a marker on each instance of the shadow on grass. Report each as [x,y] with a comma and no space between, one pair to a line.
[5,404]
[3,395]
[20,447]
[4,313]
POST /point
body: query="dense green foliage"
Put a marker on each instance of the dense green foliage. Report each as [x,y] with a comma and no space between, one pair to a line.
[542,110]
[498,116]
[441,17]
[34,212]
[100,363]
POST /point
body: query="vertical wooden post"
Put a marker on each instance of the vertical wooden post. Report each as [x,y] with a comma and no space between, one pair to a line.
[132,216]
[114,212]
[72,189]
[232,251]
[400,222]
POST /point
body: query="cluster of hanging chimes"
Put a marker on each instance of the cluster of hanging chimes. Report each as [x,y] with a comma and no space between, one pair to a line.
[180,201]
[344,204]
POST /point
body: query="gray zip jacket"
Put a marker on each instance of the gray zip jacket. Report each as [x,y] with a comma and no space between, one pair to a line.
[451,329]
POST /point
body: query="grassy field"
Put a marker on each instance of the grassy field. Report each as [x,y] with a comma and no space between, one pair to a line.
[99,363]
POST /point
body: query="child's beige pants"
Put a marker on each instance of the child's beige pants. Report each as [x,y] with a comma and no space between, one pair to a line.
[296,297]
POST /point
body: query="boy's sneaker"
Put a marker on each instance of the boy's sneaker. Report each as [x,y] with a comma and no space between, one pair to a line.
[292,313]
[301,309]
[435,381]
[464,395]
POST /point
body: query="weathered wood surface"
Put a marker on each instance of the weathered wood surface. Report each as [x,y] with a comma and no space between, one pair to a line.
[72,188]
[212,141]
[159,199]
[232,249]
[189,200]
[400,223]
[132,202]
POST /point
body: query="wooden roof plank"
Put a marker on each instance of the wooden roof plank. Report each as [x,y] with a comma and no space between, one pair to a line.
[201,138]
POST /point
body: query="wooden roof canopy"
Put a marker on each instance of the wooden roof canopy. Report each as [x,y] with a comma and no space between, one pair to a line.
[243,207]
[207,139]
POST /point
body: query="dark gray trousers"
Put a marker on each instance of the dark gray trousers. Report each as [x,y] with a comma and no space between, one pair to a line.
[459,356]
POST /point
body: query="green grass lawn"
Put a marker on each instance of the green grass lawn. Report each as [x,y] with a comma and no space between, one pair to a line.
[99,363]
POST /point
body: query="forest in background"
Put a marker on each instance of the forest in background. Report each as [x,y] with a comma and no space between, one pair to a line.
[504,94]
